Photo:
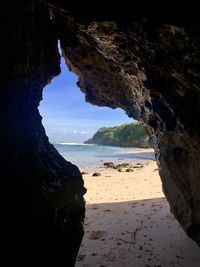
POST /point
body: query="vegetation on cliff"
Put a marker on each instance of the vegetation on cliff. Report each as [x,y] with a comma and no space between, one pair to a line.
[132,134]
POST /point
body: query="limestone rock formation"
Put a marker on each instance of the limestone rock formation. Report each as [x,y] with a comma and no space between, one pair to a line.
[125,135]
[144,60]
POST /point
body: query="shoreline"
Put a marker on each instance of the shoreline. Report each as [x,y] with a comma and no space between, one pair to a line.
[122,158]
[128,222]
[103,170]
[92,156]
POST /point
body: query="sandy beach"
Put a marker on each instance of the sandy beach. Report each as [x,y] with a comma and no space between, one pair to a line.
[128,222]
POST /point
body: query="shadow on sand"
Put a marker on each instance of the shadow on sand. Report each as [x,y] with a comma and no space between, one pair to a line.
[141,233]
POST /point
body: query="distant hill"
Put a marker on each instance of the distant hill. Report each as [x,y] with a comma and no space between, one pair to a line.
[132,134]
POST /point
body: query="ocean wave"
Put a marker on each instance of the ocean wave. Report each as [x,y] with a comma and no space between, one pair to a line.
[74,144]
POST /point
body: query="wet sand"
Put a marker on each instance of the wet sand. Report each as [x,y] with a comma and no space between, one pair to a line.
[128,222]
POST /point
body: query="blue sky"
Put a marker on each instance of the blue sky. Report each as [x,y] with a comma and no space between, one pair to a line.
[66,115]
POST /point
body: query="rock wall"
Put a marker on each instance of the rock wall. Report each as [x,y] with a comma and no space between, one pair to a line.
[42,206]
[148,66]
[140,60]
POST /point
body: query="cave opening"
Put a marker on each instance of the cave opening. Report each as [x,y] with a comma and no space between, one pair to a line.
[69,120]
[123,214]
[151,63]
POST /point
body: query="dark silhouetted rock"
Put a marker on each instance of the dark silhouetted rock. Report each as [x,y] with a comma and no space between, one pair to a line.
[129,170]
[145,61]
[122,165]
[137,166]
[96,174]
[163,93]
[83,173]
[109,164]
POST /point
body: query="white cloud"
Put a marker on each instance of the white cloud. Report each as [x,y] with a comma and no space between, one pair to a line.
[84,132]
[76,132]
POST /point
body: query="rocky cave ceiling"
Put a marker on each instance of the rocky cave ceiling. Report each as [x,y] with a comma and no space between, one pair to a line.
[143,58]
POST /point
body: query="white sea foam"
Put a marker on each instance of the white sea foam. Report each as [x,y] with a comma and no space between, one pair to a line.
[73,144]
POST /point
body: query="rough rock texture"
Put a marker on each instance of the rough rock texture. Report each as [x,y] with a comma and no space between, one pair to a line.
[138,59]
[42,206]
[148,66]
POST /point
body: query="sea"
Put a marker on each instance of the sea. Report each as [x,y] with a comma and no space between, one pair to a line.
[91,156]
